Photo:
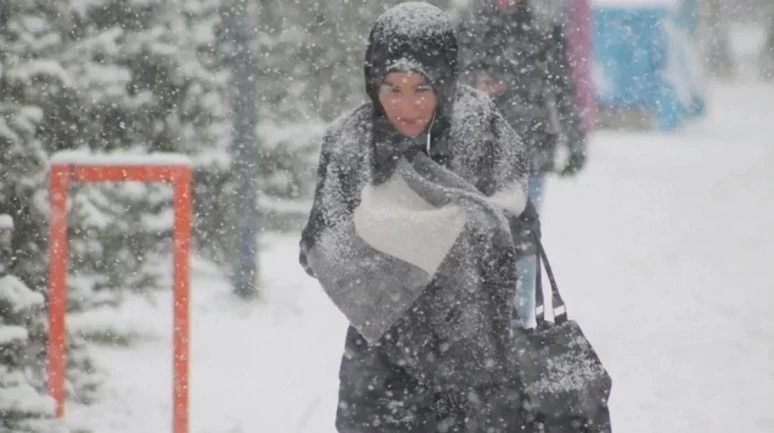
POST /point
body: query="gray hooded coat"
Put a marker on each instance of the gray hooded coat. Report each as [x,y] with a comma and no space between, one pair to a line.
[416,239]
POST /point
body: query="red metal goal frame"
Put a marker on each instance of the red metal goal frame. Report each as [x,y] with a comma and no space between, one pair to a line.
[170,168]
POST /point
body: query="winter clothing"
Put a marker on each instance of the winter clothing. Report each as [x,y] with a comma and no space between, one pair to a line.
[426,232]
[574,164]
[427,347]
[536,190]
[530,56]
[378,396]
[525,287]
[531,59]
[434,350]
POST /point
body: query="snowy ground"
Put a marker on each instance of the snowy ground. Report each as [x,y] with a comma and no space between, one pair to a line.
[665,250]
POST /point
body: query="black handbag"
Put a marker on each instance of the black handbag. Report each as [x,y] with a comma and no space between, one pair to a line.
[565,384]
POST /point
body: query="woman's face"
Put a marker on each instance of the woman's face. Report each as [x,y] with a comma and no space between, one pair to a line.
[408,101]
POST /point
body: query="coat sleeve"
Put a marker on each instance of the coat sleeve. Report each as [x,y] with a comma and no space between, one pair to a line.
[560,75]
[509,179]
[331,203]
[509,166]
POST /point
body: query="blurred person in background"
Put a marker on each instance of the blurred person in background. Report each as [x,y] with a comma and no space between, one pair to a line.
[522,64]
[714,25]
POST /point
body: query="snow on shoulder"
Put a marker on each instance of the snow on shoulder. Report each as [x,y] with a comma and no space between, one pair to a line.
[82,157]
[414,19]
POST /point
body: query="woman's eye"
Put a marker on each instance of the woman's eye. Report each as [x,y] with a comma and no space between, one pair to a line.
[424,88]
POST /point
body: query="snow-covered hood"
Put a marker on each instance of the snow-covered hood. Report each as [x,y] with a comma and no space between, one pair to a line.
[417,37]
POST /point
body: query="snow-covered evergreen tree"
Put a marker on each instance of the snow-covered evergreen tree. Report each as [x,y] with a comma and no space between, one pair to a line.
[116,76]
[30,84]
[34,86]
[23,407]
[149,81]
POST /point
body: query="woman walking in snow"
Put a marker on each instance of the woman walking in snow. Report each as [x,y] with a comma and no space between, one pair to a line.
[414,234]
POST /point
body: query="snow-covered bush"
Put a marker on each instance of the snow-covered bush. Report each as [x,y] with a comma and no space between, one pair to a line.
[23,406]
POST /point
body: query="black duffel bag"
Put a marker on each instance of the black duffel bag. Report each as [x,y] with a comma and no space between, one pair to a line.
[566,386]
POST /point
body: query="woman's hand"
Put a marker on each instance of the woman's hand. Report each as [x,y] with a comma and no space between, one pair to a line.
[575,163]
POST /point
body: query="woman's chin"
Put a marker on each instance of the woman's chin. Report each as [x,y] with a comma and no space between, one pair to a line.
[410,131]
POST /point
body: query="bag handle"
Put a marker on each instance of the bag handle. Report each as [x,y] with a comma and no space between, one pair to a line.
[557,303]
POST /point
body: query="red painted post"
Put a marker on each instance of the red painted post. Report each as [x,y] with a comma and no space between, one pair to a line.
[57,290]
[182,239]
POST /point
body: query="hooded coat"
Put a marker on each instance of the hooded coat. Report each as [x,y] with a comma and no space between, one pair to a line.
[531,58]
[408,381]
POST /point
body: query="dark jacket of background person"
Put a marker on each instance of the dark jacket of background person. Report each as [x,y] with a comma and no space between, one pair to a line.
[532,62]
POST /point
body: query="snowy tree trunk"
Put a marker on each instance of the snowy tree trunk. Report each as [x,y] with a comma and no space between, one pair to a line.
[767,57]
[244,261]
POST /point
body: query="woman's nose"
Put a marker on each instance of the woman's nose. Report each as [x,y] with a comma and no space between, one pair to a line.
[410,105]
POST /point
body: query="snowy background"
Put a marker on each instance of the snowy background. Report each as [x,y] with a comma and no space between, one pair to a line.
[663,246]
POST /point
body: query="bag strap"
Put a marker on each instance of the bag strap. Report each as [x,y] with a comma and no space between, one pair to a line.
[557,303]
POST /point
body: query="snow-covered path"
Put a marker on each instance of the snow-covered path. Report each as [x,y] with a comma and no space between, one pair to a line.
[664,248]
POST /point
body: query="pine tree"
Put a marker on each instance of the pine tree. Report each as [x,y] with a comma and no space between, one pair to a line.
[144,78]
[309,72]
[23,407]
[33,87]
[29,82]
[112,76]
[165,93]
